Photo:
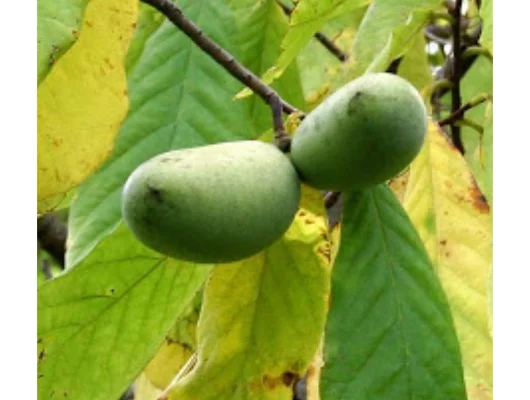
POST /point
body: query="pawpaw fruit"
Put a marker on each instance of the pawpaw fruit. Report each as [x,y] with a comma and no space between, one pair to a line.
[212,204]
[362,135]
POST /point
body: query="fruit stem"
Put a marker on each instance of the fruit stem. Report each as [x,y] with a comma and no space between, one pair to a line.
[220,55]
[281,138]
[323,39]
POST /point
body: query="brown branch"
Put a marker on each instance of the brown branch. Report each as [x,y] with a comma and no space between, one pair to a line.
[458,114]
[456,98]
[221,56]
[468,39]
[323,39]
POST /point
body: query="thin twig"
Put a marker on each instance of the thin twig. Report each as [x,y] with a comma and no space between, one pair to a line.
[225,59]
[477,51]
[323,39]
[456,98]
[331,198]
[469,39]
[330,46]
[458,114]
[281,138]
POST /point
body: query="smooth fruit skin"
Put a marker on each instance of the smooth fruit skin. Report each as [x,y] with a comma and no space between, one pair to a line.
[362,135]
[213,204]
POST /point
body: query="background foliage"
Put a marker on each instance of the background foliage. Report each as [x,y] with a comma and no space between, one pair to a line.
[398,277]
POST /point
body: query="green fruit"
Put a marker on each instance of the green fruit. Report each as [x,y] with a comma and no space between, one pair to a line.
[362,135]
[212,204]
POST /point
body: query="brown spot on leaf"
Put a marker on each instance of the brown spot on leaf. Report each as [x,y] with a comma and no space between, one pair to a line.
[287,379]
[107,61]
[312,371]
[42,354]
[480,202]
[325,251]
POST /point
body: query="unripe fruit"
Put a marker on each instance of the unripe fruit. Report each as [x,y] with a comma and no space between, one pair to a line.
[362,135]
[212,204]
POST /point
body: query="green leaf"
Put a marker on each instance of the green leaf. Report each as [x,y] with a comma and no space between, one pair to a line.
[99,324]
[386,32]
[262,26]
[454,222]
[486,13]
[58,23]
[149,19]
[317,64]
[414,66]
[262,319]
[389,333]
[306,19]
[479,153]
[179,98]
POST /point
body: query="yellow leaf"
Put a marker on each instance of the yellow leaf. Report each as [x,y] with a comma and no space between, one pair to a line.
[398,184]
[166,363]
[454,221]
[254,311]
[83,100]
[313,201]
[144,389]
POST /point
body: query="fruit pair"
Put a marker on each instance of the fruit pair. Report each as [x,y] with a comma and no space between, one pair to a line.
[228,201]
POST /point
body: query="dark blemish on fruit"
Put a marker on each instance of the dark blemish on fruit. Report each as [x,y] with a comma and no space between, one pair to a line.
[443,242]
[155,193]
[308,222]
[171,159]
[353,103]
